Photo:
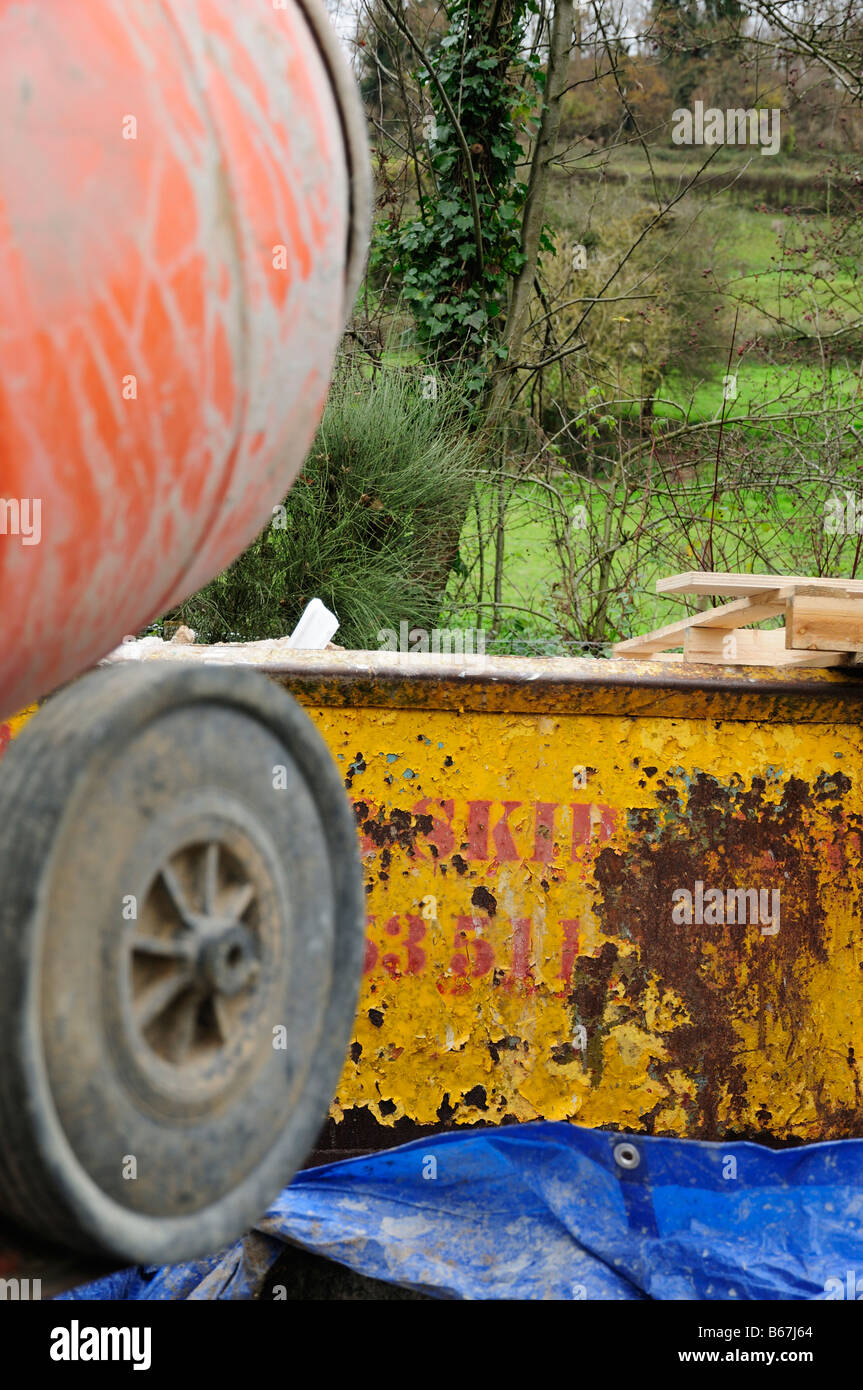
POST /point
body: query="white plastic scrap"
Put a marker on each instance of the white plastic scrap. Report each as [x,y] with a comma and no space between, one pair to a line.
[312,633]
[316,628]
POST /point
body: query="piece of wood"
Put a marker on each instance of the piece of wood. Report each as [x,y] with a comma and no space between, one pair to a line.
[824,622]
[724,585]
[836,590]
[818,661]
[728,615]
[740,644]
[818,623]
[751,647]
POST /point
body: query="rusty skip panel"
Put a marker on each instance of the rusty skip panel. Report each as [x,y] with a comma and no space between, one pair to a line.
[601,891]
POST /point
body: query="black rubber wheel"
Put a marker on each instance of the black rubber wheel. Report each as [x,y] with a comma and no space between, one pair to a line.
[182,929]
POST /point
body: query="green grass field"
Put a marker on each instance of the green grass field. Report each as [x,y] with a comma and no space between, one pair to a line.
[750,237]
[763,389]
[778,526]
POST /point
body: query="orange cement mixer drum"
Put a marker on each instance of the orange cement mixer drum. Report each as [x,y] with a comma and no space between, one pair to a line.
[175,231]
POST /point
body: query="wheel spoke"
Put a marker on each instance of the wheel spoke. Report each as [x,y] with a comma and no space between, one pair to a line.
[221,1016]
[160,996]
[239,901]
[211,876]
[182,1033]
[176,894]
[196,955]
[169,948]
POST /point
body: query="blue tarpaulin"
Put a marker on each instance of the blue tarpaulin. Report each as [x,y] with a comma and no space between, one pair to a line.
[546,1211]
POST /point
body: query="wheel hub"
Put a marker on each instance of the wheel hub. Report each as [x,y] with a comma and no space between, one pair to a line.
[195,955]
[226,961]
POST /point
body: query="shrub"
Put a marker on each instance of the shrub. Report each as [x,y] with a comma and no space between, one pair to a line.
[370,527]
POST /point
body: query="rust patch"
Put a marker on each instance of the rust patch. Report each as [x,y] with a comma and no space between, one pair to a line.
[729,836]
[591,979]
[358,765]
[482,898]
[385,829]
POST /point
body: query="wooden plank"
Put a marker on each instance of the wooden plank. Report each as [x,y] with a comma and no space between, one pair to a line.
[817,622]
[836,590]
[817,661]
[748,647]
[724,585]
[738,646]
[728,615]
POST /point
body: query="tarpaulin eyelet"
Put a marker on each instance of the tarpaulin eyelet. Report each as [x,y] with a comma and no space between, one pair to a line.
[626,1156]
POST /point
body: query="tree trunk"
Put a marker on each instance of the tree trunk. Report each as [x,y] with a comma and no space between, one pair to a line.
[534,206]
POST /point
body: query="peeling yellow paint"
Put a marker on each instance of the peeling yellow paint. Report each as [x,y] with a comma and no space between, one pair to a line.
[17,722]
[522,960]
[495,1004]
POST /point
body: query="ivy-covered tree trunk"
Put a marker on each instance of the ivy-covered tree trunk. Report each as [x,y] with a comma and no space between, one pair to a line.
[468,259]
[533,218]
[457,258]
[533,222]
